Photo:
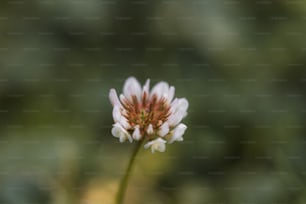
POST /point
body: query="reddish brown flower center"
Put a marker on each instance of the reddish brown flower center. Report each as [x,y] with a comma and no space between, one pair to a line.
[148,111]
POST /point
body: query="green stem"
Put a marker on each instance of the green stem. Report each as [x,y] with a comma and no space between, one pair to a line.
[125,180]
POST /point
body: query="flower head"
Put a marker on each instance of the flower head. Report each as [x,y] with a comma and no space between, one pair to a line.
[154,116]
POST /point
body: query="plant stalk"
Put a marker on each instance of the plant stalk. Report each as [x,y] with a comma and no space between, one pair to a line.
[125,180]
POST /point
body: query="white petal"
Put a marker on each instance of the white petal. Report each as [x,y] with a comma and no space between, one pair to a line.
[119,118]
[177,133]
[175,118]
[178,111]
[183,104]
[164,129]
[122,98]
[116,114]
[146,87]
[136,134]
[132,88]
[171,93]
[119,132]
[124,122]
[180,104]
[161,89]
[150,129]
[156,145]
[113,97]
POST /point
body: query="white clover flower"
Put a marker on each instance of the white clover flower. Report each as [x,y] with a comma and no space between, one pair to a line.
[153,116]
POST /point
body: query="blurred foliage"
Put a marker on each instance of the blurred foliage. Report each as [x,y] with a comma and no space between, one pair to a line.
[241,65]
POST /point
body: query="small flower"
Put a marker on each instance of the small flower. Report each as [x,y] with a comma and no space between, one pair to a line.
[121,133]
[156,145]
[136,133]
[177,133]
[150,129]
[153,116]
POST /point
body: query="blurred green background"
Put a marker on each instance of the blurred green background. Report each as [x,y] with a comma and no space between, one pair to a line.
[241,65]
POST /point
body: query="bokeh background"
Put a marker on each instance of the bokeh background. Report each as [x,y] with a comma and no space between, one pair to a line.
[241,65]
